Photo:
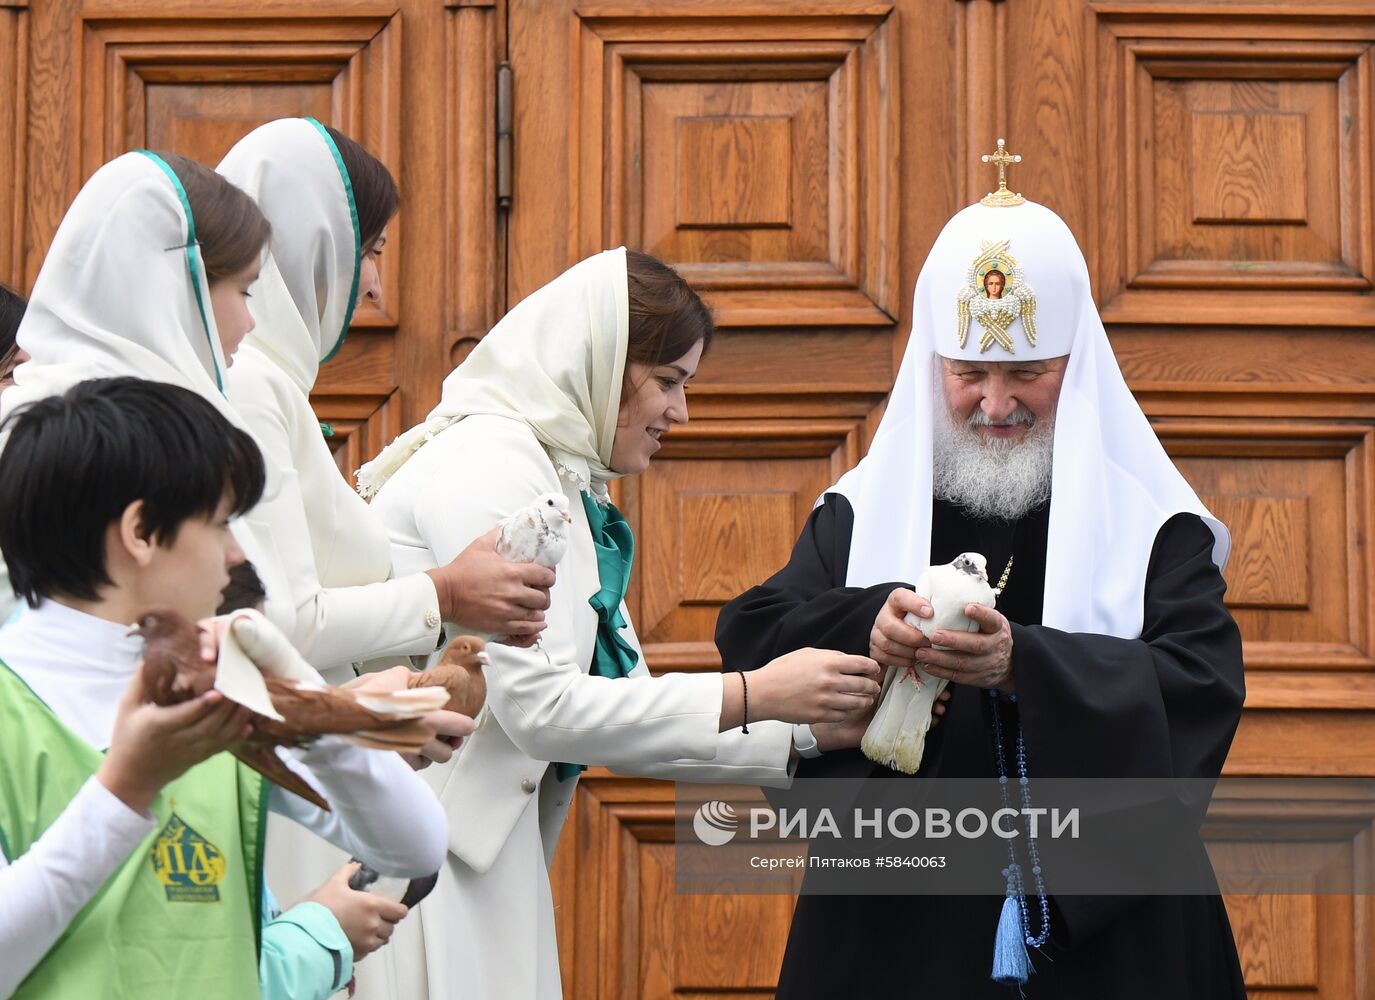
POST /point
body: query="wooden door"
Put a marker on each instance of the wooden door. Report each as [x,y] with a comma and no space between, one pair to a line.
[796,158]
[81,82]
[795,161]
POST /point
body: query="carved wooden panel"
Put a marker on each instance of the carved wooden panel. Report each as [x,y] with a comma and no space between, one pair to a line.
[1231,168]
[356,427]
[625,930]
[759,157]
[14,72]
[1296,497]
[1292,851]
[719,515]
[1277,940]
[195,85]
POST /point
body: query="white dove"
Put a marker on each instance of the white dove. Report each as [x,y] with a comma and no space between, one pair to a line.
[537,533]
[896,737]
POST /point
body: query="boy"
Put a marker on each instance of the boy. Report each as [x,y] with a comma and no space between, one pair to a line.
[116,497]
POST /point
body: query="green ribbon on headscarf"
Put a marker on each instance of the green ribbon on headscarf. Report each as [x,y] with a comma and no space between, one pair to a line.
[615,546]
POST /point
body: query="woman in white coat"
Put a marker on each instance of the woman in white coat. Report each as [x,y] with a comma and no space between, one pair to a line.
[573,388]
[329,202]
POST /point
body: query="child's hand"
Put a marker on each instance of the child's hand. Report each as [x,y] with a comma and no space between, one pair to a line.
[152,744]
[367,920]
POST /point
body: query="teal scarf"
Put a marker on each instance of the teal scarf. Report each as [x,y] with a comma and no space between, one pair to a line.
[615,545]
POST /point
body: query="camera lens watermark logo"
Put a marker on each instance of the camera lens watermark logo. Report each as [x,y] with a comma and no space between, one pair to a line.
[715,823]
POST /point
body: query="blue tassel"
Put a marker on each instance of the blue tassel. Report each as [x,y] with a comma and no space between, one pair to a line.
[1011,964]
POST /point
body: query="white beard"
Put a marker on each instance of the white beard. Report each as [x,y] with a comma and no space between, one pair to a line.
[991,478]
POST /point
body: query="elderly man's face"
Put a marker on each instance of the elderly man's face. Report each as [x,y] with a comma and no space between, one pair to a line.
[1008,396]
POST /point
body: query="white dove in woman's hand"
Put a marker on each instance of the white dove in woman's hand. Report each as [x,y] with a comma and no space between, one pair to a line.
[537,533]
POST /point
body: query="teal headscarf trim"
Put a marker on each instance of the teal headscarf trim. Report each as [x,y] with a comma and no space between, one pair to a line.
[615,546]
[193,255]
[357,236]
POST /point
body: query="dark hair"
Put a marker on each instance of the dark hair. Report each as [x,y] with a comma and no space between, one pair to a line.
[245,589]
[230,227]
[374,189]
[74,463]
[666,316]
[12,306]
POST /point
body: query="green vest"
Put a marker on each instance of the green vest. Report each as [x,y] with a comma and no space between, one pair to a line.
[180,918]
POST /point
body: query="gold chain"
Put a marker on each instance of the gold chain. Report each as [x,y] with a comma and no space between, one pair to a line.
[1002,580]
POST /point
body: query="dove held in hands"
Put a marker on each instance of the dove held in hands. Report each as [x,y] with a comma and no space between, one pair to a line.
[896,737]
[950,589]
[175,671]
[537,533]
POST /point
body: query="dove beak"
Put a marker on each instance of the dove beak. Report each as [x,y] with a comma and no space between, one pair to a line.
[567,517]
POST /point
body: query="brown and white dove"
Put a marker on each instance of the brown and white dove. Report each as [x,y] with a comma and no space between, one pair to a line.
[175,672]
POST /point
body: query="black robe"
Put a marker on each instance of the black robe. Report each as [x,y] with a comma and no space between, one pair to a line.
[1091,706]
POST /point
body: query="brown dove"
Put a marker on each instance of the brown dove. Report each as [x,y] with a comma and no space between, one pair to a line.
[174,672]
[460,673]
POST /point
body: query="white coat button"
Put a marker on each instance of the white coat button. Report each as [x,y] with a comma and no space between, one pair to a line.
[527,786]
[432,619]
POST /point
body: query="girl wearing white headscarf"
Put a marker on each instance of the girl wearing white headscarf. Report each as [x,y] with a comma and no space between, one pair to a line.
[127,289]
[329,202]
[321,191]
[573,388]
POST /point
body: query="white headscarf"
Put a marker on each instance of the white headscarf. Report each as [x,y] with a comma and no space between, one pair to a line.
[1112,485]
[554,362]
[122,292]
[305,295]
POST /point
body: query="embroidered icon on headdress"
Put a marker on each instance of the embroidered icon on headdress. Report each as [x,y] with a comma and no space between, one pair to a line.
[996,296]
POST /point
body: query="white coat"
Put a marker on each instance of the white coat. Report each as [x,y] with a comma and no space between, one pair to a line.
[487,930]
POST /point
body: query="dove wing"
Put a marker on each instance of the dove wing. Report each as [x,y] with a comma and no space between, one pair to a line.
[265,761]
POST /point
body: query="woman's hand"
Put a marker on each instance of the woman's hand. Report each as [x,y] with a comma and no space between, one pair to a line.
[153,745]
[450,727]
[813,685]
[848,734]
[482,592]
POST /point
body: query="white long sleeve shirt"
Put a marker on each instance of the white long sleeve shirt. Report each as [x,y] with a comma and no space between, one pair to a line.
[79,666]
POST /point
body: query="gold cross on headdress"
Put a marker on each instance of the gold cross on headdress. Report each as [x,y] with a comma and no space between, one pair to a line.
[1001,198]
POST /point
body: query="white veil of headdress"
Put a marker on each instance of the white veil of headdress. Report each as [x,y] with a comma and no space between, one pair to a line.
[1112,487]
[304,298]
[122,291]
[555,362]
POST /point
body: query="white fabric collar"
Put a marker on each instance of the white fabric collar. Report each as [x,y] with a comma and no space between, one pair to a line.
[122,292]
[79,665]
[1112,487]
[554,362]
[305,295]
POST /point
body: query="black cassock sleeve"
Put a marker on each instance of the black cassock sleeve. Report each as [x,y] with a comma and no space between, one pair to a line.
[805,602]
[1165,705]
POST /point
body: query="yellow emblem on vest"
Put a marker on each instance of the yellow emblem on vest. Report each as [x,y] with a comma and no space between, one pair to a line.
[189,866]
